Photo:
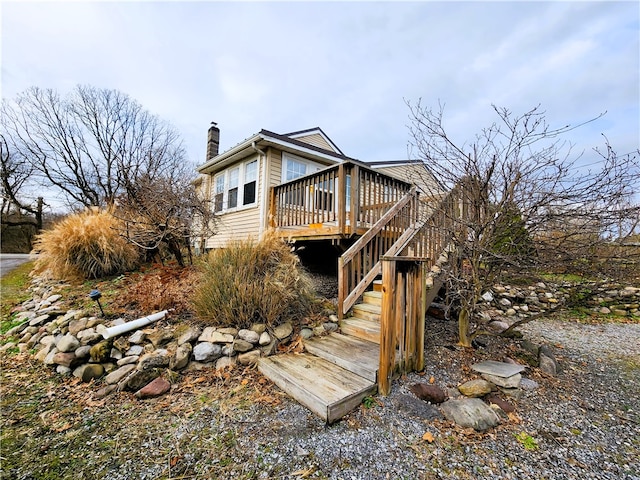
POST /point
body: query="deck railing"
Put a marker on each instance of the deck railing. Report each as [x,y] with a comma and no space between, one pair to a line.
[343,198]
[360,264]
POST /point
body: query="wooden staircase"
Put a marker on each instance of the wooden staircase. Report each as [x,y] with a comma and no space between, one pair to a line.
[384,334]
[337,371]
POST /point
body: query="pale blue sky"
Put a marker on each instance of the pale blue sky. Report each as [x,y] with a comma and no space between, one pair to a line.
[346,67]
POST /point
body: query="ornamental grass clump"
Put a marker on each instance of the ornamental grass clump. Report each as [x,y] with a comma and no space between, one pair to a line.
[248,282]
[85,245]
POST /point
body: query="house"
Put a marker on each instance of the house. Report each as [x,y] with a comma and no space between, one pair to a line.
[300,183]
[303,186]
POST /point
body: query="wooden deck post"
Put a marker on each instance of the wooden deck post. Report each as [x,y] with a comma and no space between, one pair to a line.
[387,327]
[342,199]
[402,318]
[272,207]
[354,208]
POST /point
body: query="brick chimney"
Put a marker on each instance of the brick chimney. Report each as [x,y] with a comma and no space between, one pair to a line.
[213,141]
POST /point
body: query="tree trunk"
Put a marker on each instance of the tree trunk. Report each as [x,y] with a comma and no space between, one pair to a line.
[464,339]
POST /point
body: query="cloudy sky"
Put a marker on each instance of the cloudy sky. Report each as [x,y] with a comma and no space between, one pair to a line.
[346,67]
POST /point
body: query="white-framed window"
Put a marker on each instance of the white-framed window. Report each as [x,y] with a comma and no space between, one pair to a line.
[294,167]
[218,196]
[250,183]
[232,192]
[236,187]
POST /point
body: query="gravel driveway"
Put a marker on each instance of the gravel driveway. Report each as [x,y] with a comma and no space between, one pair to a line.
[582,424]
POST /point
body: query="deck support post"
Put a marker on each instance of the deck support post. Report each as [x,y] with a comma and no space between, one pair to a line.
[402,318]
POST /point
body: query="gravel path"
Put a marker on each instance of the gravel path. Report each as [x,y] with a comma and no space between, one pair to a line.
[583,424]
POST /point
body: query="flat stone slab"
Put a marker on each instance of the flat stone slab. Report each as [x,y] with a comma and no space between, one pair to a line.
[498,369]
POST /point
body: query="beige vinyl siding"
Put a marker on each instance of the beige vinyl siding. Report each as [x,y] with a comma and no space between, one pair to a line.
[316,140]
[416,174]
[236,226]
[275,167]
[242,223]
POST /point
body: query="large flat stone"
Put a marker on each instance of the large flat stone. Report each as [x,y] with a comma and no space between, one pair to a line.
[470,413]
[498,369]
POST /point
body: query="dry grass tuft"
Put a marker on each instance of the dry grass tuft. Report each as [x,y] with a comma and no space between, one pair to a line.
[85,245]
[249,282]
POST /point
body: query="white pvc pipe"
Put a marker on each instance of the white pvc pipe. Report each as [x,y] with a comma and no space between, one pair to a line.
[132,325]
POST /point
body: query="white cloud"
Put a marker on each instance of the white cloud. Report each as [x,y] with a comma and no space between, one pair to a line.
[343,66]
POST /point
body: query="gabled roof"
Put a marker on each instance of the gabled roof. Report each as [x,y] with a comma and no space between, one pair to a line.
[287,142]
[314,131]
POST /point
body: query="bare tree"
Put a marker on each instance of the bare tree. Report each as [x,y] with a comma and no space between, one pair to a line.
[164,211]
[101,148]
[90,144]
[528,202]
[15,174]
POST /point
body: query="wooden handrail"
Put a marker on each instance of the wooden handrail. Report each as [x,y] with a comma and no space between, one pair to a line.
[360,264]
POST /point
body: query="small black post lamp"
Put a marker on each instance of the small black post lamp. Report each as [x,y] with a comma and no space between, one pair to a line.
[95,295]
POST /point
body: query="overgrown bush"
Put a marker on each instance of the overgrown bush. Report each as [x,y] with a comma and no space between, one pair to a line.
[249,282]
[85,245]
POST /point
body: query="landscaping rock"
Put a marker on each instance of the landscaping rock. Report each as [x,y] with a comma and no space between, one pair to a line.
[249,336]
[65,359]
[259,328]
[211,335]
[156,359]
[49,359]
[330,326]
[135,350]
[155,388]
[249,358]
[265,339]
[242,346]
[140,378]
[225,362]
[117,375]
[498,326]
[306,333]
[180,358]
[128,360]
[207,352]
[283,331]
[528,384]
[189,336]
[137,337]
[159,338]
[88,336]
[103,392]
[76,326]
[62,370]
[547,360]
[229,331]
[89,371]
[101,352]
[506,382]
[428,393]
[470,413]
[476,388]
[83,351]
[38,320]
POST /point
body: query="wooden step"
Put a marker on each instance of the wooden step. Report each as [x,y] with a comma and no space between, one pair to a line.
[354,354]
[367,311]
[361,328]
[372,298]
[326,389]
[377,285]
